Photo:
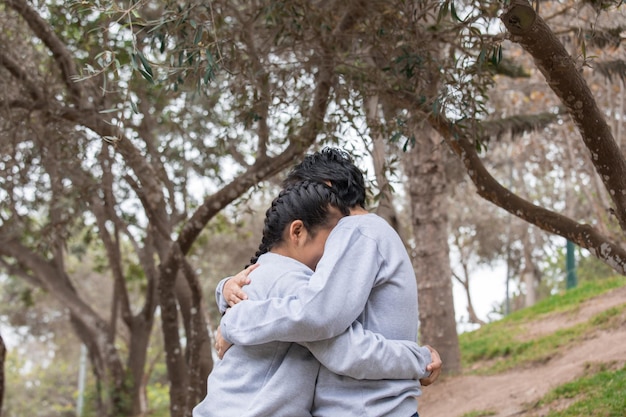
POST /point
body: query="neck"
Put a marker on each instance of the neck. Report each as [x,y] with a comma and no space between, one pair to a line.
[356,210]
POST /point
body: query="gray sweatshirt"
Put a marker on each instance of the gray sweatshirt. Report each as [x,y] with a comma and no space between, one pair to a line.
[278,378]
[365,276]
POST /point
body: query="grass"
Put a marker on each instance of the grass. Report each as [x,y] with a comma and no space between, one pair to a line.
[602,394]
[485,413]
[500,344]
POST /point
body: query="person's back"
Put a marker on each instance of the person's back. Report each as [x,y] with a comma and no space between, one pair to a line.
[390,310]
[256,376]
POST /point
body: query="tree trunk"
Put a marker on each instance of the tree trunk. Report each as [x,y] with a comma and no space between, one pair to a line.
[428,193]
[138,350]
[529,274]
[3,352]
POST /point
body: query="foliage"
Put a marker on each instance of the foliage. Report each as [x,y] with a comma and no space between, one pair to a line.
[45,390]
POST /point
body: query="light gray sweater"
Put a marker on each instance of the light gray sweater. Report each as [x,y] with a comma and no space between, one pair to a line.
[364,278]
[278,378]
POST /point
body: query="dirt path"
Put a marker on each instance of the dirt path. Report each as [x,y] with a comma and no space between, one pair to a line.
[515,392]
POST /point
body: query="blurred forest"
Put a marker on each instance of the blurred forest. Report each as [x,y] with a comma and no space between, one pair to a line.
[142,142]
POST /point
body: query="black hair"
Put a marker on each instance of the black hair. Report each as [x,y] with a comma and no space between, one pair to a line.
[308,201]
[334,166]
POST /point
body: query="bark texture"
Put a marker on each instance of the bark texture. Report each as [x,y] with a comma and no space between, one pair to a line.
[3,352]
[428,190]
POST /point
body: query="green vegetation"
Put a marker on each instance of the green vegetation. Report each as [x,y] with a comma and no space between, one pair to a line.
[602,394]
[503,342]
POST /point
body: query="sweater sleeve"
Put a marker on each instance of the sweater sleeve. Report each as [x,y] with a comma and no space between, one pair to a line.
[327,306]
[362,354]
[222,304]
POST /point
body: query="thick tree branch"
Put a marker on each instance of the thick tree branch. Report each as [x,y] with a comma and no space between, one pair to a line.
[53,281]
[566,80]
[490,189]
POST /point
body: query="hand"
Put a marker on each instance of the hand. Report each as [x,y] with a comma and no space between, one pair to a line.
[221,345]
[232,290]
[434,367]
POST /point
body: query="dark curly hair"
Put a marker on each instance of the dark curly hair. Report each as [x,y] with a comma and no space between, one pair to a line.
[334,166]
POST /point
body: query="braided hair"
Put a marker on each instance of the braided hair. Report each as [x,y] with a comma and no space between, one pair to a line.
[308,201]
[334,166]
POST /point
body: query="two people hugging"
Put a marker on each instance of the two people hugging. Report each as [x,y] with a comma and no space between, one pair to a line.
[328,321]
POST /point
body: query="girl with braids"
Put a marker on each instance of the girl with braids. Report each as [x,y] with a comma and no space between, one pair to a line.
[278,378]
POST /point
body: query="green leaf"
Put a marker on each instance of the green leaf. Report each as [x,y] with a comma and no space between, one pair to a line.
[453,13]
[146,75]
[146,64]
[209,74]
[198,37]
[443,11]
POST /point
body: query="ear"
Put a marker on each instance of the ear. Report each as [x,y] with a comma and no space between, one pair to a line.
[296,231]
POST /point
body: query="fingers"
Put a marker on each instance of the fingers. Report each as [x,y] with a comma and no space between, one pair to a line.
[436,360]
[242,277]
[431,378]
[221,345]
[233,292]
[434,367]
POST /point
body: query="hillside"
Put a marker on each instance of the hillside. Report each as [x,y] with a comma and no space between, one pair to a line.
[516,392]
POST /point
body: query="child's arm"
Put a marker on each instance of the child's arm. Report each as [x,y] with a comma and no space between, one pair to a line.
[363,354]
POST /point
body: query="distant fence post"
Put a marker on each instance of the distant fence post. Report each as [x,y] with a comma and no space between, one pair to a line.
[570,266]
[81,380]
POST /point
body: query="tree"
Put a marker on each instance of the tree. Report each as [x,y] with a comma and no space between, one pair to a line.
[527,28]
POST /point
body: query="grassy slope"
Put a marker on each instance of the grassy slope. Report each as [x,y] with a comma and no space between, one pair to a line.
[508,344]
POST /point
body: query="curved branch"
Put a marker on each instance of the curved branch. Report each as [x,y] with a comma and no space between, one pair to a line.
[491,190]
[59,50]
[150,192]
[54,281]
[33,91]
[566,80]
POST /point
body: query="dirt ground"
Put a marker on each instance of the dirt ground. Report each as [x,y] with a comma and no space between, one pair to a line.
[516,392]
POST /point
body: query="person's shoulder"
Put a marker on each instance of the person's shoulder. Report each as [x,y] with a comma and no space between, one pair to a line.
[270,262]
[369,226]
[365,221]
